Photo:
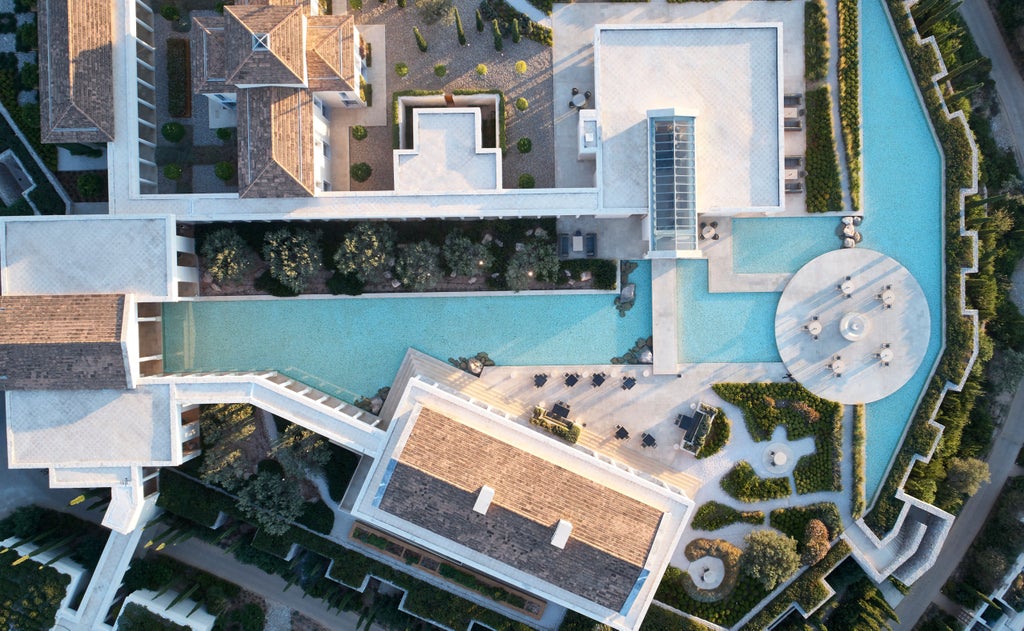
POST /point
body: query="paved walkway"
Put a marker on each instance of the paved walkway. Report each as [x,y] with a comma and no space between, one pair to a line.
[272,588]
[1006,445]
[1009,85]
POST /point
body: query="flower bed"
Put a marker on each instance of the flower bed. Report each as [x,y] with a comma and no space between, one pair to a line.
[713,515]
[767,405]
[742,483]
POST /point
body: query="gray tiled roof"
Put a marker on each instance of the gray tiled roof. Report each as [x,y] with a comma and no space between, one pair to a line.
[275,142]
[284,63]
[76,83]
[207,50]
[444,464]
[62,342]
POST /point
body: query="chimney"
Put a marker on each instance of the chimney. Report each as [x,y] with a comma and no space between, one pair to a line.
[483,500]
[561,536]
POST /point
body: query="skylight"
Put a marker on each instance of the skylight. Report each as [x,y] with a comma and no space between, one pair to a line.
[261,41]
[673,203]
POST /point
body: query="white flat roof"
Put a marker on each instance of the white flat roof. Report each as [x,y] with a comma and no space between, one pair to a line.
[447,153]
[86,255]
[729,77]
[90,428]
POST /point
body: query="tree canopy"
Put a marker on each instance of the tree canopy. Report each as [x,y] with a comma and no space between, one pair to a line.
[367,252]
[770,557]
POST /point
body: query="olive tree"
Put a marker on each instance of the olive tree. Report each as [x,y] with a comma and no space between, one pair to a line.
[272,501]
[301,451]
[419,266]
[367,252]
[538,260]
[816,542]
[770,557]
[966,475]
[465,257]
[294,257]
[227,255]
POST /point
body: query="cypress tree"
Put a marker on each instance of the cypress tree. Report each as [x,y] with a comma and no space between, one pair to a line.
[479,22]
[458,28]
[499,43]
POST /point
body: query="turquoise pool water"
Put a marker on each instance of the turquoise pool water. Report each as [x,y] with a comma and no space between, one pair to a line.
[783,244]
[350,347]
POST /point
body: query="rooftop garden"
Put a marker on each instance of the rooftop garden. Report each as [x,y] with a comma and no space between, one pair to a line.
[351,258]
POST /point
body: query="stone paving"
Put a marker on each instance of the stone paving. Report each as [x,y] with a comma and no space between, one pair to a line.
[443,48]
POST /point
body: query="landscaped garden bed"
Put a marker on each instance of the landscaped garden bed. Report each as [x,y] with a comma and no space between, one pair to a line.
[383,257]
[849,92]
[824,192]
[714,515]
[745,485]
[768,405]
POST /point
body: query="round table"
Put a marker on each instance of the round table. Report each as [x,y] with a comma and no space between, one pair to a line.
[707,232]
[886,355]
[578,101]
[847,287]
[814,328]
[837,366]
[888,297]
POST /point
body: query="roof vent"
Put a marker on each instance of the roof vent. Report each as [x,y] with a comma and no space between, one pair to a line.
[561,536]
[261,41]
[483,501]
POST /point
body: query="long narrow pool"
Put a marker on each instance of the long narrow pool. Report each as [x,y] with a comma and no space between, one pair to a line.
[351,346]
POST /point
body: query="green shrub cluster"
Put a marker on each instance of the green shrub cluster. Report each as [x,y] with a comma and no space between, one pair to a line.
[713,515]
[505,15]
[470,580]
[160,573]
[859,461]
[26,38]
[226,254]
[30,593]
[91,186]
[83,541]
[137,618]
[173,131]
[742,483]
[767,405]
[997,545]
[717,437]
[8,22]
[360,171]
[661,619]
[815,41]
[849,92]
[569,432]
[746,594]
[807,590]
[793,521]
[178,78]
[603,271]
[824,192]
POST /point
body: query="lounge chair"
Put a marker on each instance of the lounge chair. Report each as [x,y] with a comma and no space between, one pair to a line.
[564,245]
[590,244]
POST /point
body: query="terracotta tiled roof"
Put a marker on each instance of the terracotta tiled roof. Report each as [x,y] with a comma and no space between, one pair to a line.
[62,342]
[76,82]
[329,53]
[275,142]
[444,464]
[284,60]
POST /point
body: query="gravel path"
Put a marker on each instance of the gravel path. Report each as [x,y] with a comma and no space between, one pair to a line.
[534,85]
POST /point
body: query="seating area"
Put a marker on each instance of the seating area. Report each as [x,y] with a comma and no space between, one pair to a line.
[577,245]
[695,427]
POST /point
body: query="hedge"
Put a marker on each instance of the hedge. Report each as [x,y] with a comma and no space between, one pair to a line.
[396,139]
[849,92]
[742,483]
[179,102]
[137,618]
[956,150]
[317,516]
[30,593]
[190,499]
[713,515]
[807,590]
[824,192]
[859,461]
[815,40]
[765,406]
[502,141]
[661,619]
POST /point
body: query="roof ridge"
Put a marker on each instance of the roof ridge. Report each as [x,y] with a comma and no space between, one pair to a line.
[334,64]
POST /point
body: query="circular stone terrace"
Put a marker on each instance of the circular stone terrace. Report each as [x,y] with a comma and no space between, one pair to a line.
[852,326]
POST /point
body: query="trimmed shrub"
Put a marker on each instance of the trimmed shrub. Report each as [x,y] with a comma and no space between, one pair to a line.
[359,132]
[227,255]
[8,23]
[499,41]
[173,171]
[516,35]
[28,76]
[418,266]
[224,133]
[522,104]
[481,69]
[26,38]
[170,13]
[538,260]
[458,28]
[366,251]
[173,131]
[479,22]
[360,171]
[744,484]
[859,438]
[520,67]
[89,185]
[465,257]
[401,69]
[526,181]
[178,78]
[421,43]
[224,170]
[713,515]
[440,70]
[524,145]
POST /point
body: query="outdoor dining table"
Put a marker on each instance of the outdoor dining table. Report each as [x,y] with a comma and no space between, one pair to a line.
[621,433]
[649,441]
[540,380]
[597,379]
[708,232]
[572,380]
[628,383]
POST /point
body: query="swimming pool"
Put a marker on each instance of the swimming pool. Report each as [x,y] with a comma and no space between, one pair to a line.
[782,244]
[349,347]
